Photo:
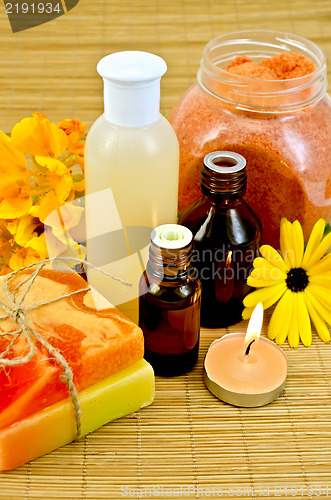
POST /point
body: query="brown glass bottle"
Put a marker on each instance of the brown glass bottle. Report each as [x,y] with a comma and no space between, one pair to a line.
[169,302]
[226,238]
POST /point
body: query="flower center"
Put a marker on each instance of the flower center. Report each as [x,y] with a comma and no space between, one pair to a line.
[297,279]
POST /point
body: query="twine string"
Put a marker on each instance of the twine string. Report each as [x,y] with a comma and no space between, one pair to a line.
[17,312]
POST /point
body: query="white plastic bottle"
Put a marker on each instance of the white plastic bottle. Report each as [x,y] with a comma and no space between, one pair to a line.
[131,174]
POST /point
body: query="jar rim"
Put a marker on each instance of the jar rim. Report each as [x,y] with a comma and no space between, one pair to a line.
[244,90]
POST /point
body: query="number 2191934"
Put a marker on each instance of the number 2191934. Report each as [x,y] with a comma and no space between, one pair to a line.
[33,8]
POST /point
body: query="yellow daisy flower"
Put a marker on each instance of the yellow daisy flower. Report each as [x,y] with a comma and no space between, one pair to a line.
[300,279]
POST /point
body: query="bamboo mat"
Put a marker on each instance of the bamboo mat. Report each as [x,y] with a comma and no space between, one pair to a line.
[191,444]
[52,68]
[187,439]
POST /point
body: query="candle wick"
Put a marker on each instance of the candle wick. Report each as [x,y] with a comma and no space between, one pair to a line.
[249,347]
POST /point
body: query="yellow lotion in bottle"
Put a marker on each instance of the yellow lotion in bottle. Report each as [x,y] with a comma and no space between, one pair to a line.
[131,175]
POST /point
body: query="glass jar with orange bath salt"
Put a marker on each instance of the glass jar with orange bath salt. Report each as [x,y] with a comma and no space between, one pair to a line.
[263,95]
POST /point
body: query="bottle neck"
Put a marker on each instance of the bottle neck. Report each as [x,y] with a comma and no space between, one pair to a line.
[223,178]
[132,105]
[168,265]
[257,95]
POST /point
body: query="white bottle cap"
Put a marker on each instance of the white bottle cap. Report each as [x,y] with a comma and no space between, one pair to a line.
[132,87]
[171,236]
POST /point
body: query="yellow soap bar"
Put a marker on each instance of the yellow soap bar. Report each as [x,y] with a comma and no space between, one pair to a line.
[55,426]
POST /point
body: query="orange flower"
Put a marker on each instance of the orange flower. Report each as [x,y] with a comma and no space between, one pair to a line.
[37,136]
[38,244]
[6,242]
[79,155]
[16,204]
[75,162]
[23,257]
[53,174]
[28,196]
[74,130]
[47,204]
[75,155]
[13,167]
[25,229]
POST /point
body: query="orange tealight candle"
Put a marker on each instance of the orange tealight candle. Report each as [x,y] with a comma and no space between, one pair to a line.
[246,370]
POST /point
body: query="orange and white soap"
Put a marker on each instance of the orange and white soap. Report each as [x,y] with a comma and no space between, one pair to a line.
[103,349]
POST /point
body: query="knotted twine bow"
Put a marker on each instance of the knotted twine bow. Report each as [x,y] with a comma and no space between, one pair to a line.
[17,312]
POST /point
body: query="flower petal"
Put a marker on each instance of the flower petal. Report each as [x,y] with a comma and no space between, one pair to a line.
[323,311]
[12,226]
[262,263]
[323,266]
[286,242]
[74,130]
[23,257]
[267,274]
[78,185]
[46,205]
[320,325]
[25,229]
[319,252]
[321,293]
[281,337]
[303,321]
[52,164]
[37,136]
[281,317]
[293,333]
[268,296]
[315,239]
[272,256]
[255,283]
[321,279]
[13,167]
[11,208]
[59,176]
[247,312]
[297,242]
[38,243]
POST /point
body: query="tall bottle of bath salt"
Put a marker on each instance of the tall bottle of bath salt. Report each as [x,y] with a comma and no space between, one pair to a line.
[226,238]
[131,175]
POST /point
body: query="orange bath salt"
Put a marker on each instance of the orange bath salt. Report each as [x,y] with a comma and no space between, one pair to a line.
[252,70]
[289,65]
[278,67]
[244,66]
[239,61]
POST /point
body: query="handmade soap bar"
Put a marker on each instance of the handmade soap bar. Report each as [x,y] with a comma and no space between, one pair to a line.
[44,431]
[95,344]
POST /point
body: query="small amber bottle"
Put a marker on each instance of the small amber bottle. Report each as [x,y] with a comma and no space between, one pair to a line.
[169,302]
[226,238]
